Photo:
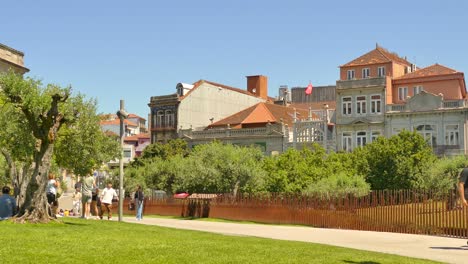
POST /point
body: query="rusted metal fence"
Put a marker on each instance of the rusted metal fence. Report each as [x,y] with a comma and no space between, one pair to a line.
[401,211]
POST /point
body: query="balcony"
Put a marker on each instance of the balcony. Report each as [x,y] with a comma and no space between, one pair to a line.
[445,105]
[455,104]
[361,83]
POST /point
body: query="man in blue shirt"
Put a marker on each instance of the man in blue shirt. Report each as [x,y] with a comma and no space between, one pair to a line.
[7,204]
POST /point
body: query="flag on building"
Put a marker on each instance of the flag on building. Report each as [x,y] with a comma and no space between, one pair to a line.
[309,88]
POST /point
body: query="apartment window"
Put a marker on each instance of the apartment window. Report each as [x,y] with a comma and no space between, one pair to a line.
[381,71]
[376,104]
[360,104]
[159,118]
[347,141]
[346,105]
[402,93]
[451,135]
[365,73]
[127,153]
[375,135]
[417,89]
[350,74]
[361,139]
[428,132]
[169,118]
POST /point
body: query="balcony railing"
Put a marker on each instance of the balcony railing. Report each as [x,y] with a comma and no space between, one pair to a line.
[445,105]
[360,83]
[222,133]
[454,104]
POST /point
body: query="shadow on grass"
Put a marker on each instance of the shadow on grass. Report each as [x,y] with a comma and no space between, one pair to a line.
[451,248]
[75,224]
[361,262]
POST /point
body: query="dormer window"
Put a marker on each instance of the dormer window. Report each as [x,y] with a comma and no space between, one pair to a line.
[365,73]
[350,74]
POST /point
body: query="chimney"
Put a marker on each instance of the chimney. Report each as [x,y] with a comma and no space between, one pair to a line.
[258,85]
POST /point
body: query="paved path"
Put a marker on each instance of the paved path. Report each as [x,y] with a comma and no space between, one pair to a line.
[450,250]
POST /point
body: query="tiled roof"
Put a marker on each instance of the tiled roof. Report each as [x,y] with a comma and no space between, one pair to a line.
[433,70]
[135,116]
[137,137]
[116,122]
[200,82]
[314,105]
[262,113]
[378,55]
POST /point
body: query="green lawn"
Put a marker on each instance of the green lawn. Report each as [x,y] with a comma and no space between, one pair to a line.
[91,241]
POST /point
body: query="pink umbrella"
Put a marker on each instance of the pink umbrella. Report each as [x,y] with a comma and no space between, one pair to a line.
[181,195]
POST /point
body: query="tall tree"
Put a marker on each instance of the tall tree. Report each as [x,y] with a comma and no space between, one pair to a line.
[43,110]
[82,145]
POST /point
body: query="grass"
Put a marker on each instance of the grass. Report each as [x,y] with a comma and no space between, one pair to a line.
[81,241]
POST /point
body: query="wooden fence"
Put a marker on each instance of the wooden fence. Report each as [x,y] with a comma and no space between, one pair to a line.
[401,211]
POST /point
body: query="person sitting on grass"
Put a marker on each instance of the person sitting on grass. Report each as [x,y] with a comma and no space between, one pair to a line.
[7,204]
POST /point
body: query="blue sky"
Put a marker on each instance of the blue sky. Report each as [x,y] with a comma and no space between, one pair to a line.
[132,50]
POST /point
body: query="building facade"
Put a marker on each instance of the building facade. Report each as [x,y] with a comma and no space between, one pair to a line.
[380,94]
[199,105]
[11,59]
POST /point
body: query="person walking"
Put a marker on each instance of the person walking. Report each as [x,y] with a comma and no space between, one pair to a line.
[7,204]
[51,193]
[463,186]
[106,201]
[87,185]
[139,198]
[95,203]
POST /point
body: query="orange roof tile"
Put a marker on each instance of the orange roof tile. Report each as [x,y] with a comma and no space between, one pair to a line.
[433,70]
[200,82]
[117,122]
[378,55]
[135,116]
[262,113]
[137,137]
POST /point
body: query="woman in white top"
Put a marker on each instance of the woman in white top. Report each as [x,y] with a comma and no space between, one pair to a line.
[51,191]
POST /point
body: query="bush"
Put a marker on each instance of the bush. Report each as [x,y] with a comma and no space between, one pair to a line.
[338,186]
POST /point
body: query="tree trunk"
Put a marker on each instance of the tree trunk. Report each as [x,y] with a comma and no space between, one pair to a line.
[23,181]
[35,208]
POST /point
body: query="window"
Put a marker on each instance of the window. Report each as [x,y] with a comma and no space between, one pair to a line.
[350,74]
[169,118]
[347,141]
[365,73]
[451,135]
[428,132]
[402,93]
[375,135]
[376,104]
[381,71]
[127,153]
[159,118]
[361,139]
[361,104]
[417,89]
[346,105]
